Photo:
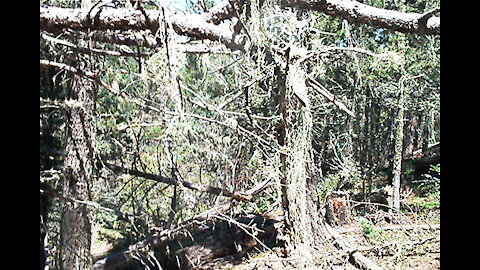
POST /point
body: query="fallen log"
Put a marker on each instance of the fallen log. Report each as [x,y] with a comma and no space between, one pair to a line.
[121,259]
[164,237]
[218,239]
[197,242]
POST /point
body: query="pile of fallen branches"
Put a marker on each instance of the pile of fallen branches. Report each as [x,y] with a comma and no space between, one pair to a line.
[199,240]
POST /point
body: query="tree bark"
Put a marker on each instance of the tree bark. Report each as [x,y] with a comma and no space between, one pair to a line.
[294,133]
[397,159]
[358,13]
[298,141]
[206,25]
[56,20]
[75,234]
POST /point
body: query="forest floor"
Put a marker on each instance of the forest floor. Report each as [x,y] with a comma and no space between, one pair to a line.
[410,242]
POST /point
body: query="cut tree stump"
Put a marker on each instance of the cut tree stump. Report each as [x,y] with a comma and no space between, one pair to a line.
[337,208]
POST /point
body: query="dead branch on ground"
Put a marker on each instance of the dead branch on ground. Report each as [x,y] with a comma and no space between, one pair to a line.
[353,254]
[397,227]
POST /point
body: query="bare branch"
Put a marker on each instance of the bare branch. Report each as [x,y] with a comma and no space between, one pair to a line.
[93,50]
[331,97]
[67,67]
[198,187]
[87,203]
[358,13]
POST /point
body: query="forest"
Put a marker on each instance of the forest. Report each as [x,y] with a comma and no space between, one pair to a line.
[241,135]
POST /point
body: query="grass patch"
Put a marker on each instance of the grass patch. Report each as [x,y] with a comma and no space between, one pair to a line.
[371,233]
[426,203]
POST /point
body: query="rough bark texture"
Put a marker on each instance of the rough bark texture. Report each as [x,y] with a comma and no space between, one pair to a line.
[223,11]
[75,233]
[338,208]
[298,141]
[358,13]
[303,219]
[56,20]
[280,74]
[397,159]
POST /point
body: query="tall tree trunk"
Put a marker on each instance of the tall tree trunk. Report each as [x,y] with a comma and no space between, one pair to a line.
[429,130]
[412,133]
[397,159]
[365,143]
[299,197]
[75,233]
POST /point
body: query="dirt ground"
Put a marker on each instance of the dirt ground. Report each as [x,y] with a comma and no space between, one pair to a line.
[409,242]
[406,241]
